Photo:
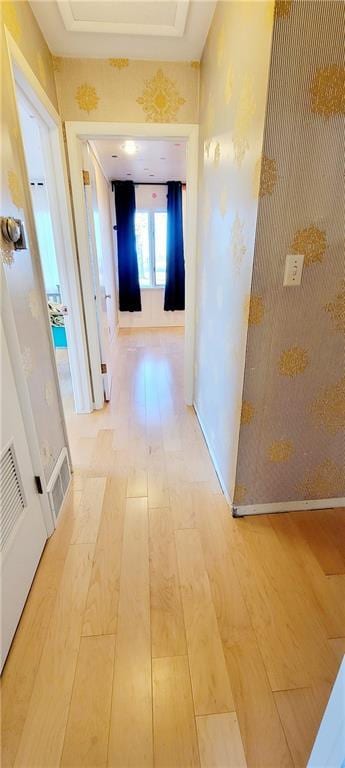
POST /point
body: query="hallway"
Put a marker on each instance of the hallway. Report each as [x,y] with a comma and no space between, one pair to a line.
[155,632]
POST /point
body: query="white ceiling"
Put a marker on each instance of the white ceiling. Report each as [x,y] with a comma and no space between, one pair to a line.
[155,161]
[166,30]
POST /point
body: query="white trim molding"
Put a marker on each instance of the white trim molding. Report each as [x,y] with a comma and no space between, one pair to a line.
[57,184]
[286,506]
[176,29]
[81,131]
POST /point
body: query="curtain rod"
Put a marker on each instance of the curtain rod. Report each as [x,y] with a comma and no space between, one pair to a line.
[146,183]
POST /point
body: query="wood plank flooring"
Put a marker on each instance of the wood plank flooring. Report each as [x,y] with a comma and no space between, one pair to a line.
[159,631]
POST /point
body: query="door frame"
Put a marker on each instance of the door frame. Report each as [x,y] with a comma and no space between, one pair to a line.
[79,131]
[57,187]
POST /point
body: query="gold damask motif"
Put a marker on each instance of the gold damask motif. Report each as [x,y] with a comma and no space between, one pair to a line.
[327,480]
[34,304]
[195,64]
[15,189]
[207,146]
[282,8]
[311,242]
[119,63]
[328,91]
[11,21]
[328,409]
[256,309]
[7,255]
[240,492]
[293,361]
[247,412]
[280,451]
[336,309]
[243,119]
[86,97]
[57,63]
[237,245]
[160,100]
[265,176]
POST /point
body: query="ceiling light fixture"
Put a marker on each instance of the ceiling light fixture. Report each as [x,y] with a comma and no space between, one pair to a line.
[129,147]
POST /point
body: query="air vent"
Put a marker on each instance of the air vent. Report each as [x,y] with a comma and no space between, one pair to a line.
[59,483]
[12,497]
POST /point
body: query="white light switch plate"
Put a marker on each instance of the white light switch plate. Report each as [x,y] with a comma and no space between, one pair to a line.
[293,269]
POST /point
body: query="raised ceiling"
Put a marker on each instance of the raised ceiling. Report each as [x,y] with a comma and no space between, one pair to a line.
[170,30]
[155,161]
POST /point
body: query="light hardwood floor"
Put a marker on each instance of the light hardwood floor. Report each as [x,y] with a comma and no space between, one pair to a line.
[159,630]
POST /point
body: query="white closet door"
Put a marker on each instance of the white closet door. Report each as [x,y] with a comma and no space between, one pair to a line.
[22,529]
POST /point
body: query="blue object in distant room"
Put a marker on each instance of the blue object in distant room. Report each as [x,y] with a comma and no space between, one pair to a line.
[59,336]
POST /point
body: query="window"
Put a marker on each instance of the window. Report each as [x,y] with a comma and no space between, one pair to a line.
[151,240]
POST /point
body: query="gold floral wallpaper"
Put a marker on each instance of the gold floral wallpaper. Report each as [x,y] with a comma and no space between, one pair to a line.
[17,16]
[125,90]
[20,269]
[293,446]
[233,94]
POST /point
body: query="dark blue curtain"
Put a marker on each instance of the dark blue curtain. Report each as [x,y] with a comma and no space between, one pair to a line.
[129,288]
[174,286]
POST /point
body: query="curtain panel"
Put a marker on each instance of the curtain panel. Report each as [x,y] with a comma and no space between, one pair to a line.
[174,298]
[129,288]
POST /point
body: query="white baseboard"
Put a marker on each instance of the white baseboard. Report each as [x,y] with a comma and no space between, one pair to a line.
[287,506]
[265,509]
[213,458]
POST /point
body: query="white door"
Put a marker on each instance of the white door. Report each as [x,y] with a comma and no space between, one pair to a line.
[22,533]
[99,273]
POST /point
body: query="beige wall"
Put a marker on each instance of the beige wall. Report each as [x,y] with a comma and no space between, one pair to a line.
[234,78]
[21,269]
[292,436]
[124,90]
[21,23]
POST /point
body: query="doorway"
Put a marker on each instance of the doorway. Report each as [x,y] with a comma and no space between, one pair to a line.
[34,139]
[105,140]
[50,201]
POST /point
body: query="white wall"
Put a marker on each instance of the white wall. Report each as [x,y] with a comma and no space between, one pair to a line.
[104,238]
[152,315]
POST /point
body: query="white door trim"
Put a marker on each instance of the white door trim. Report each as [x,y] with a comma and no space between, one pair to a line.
[82,131]
[57,185]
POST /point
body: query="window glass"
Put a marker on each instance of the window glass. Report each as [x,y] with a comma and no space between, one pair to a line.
[160,230]
[143,247]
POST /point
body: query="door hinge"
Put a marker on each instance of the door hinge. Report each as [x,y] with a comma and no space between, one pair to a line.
[103,368]
[86,178]
[38,484]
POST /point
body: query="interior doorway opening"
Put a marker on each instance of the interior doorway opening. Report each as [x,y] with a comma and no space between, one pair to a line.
[134,234]
[35,141]
[157,154]
[149,165]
